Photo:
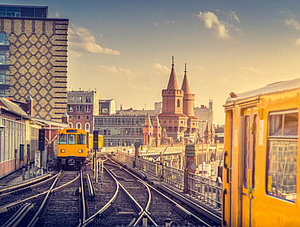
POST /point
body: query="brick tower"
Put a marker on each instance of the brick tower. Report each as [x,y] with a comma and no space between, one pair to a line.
[172,118]
[188,108]
[157,131]
[148,131]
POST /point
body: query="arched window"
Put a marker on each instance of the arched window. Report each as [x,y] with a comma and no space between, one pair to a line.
[178,103]
[87,127]
[78,125]
[70,125]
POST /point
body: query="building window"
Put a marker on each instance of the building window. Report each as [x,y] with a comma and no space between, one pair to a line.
[70,125]
[88,99]
[87,109]
[178,103]
[87,127]
[80,99]
[70,117]
[78,117]
[87,117]
[2,59]
[2,38]
[78,125]
[78,108]
[282,155]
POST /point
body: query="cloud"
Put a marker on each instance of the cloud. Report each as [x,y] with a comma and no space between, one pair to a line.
[161,68]
[115,69]
[212,22]
[292,22]
[297,42]
[156,24]
[234,16]
[82,42]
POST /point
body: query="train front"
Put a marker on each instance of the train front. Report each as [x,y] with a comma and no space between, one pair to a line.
[71,147]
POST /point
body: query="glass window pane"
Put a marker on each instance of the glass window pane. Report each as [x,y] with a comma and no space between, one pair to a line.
[276,125]
[2,38]
[246,150]
[71,139]
[2,59]
[254,149]
[282,169]
[62,139]
[290,127]
[81,139]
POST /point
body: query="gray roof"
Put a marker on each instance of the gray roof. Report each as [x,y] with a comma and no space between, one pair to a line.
[270,88]
[13,107]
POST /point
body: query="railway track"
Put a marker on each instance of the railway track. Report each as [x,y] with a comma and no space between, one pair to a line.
[47,207]
[134,202]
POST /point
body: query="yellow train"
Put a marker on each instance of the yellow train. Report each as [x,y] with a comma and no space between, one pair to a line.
[261,186]
[72,147]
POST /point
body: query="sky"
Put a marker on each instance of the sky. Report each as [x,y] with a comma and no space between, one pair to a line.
[123,48]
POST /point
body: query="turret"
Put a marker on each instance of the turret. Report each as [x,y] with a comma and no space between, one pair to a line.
[147,131]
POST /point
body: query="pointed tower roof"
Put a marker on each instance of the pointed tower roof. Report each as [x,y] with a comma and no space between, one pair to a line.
[156,122]
[185,84]
[148,121]
[172,81]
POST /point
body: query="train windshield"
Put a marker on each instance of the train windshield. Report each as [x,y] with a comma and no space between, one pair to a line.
[71,139]
[81,139]
[62,139]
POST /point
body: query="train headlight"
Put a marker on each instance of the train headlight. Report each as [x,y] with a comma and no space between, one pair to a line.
[62,150]
[80,151]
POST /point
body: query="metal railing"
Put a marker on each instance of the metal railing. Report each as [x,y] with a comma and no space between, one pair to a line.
[205,190]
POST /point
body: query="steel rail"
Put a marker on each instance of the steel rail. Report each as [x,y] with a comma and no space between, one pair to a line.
[26,187]
[170,200]
[19,215]
[142,211]
[36,217]
[23,184]
[107,205]
[82,219]
[6,207]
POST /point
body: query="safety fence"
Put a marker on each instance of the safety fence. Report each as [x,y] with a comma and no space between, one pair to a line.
[203,189]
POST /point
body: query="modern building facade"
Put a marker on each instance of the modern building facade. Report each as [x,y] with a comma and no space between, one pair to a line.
[82,106]
[205,115]
[33,59]
[120,130]
[177,118]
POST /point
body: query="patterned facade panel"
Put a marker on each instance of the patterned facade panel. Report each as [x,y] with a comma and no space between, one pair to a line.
[34,64]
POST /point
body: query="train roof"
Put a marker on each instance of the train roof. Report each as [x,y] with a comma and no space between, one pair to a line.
[270,88]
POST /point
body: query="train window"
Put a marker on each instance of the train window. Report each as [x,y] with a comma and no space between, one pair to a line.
[246,150]
[254,148]
[71,139]
[81,139]
[62,139]
[282,155]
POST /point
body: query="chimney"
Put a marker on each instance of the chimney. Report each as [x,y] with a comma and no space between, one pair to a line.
[29,102]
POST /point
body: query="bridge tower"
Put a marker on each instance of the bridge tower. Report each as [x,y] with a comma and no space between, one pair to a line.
[147,131]
[188,108]
[157,131]
[172,118]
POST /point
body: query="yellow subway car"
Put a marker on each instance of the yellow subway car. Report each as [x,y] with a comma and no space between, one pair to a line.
[261,185]
[71,147]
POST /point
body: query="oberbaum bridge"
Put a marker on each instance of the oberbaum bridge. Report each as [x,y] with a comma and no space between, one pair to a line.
[175,154]
[185,164]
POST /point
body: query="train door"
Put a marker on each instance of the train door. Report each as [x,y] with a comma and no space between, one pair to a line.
[247,171]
